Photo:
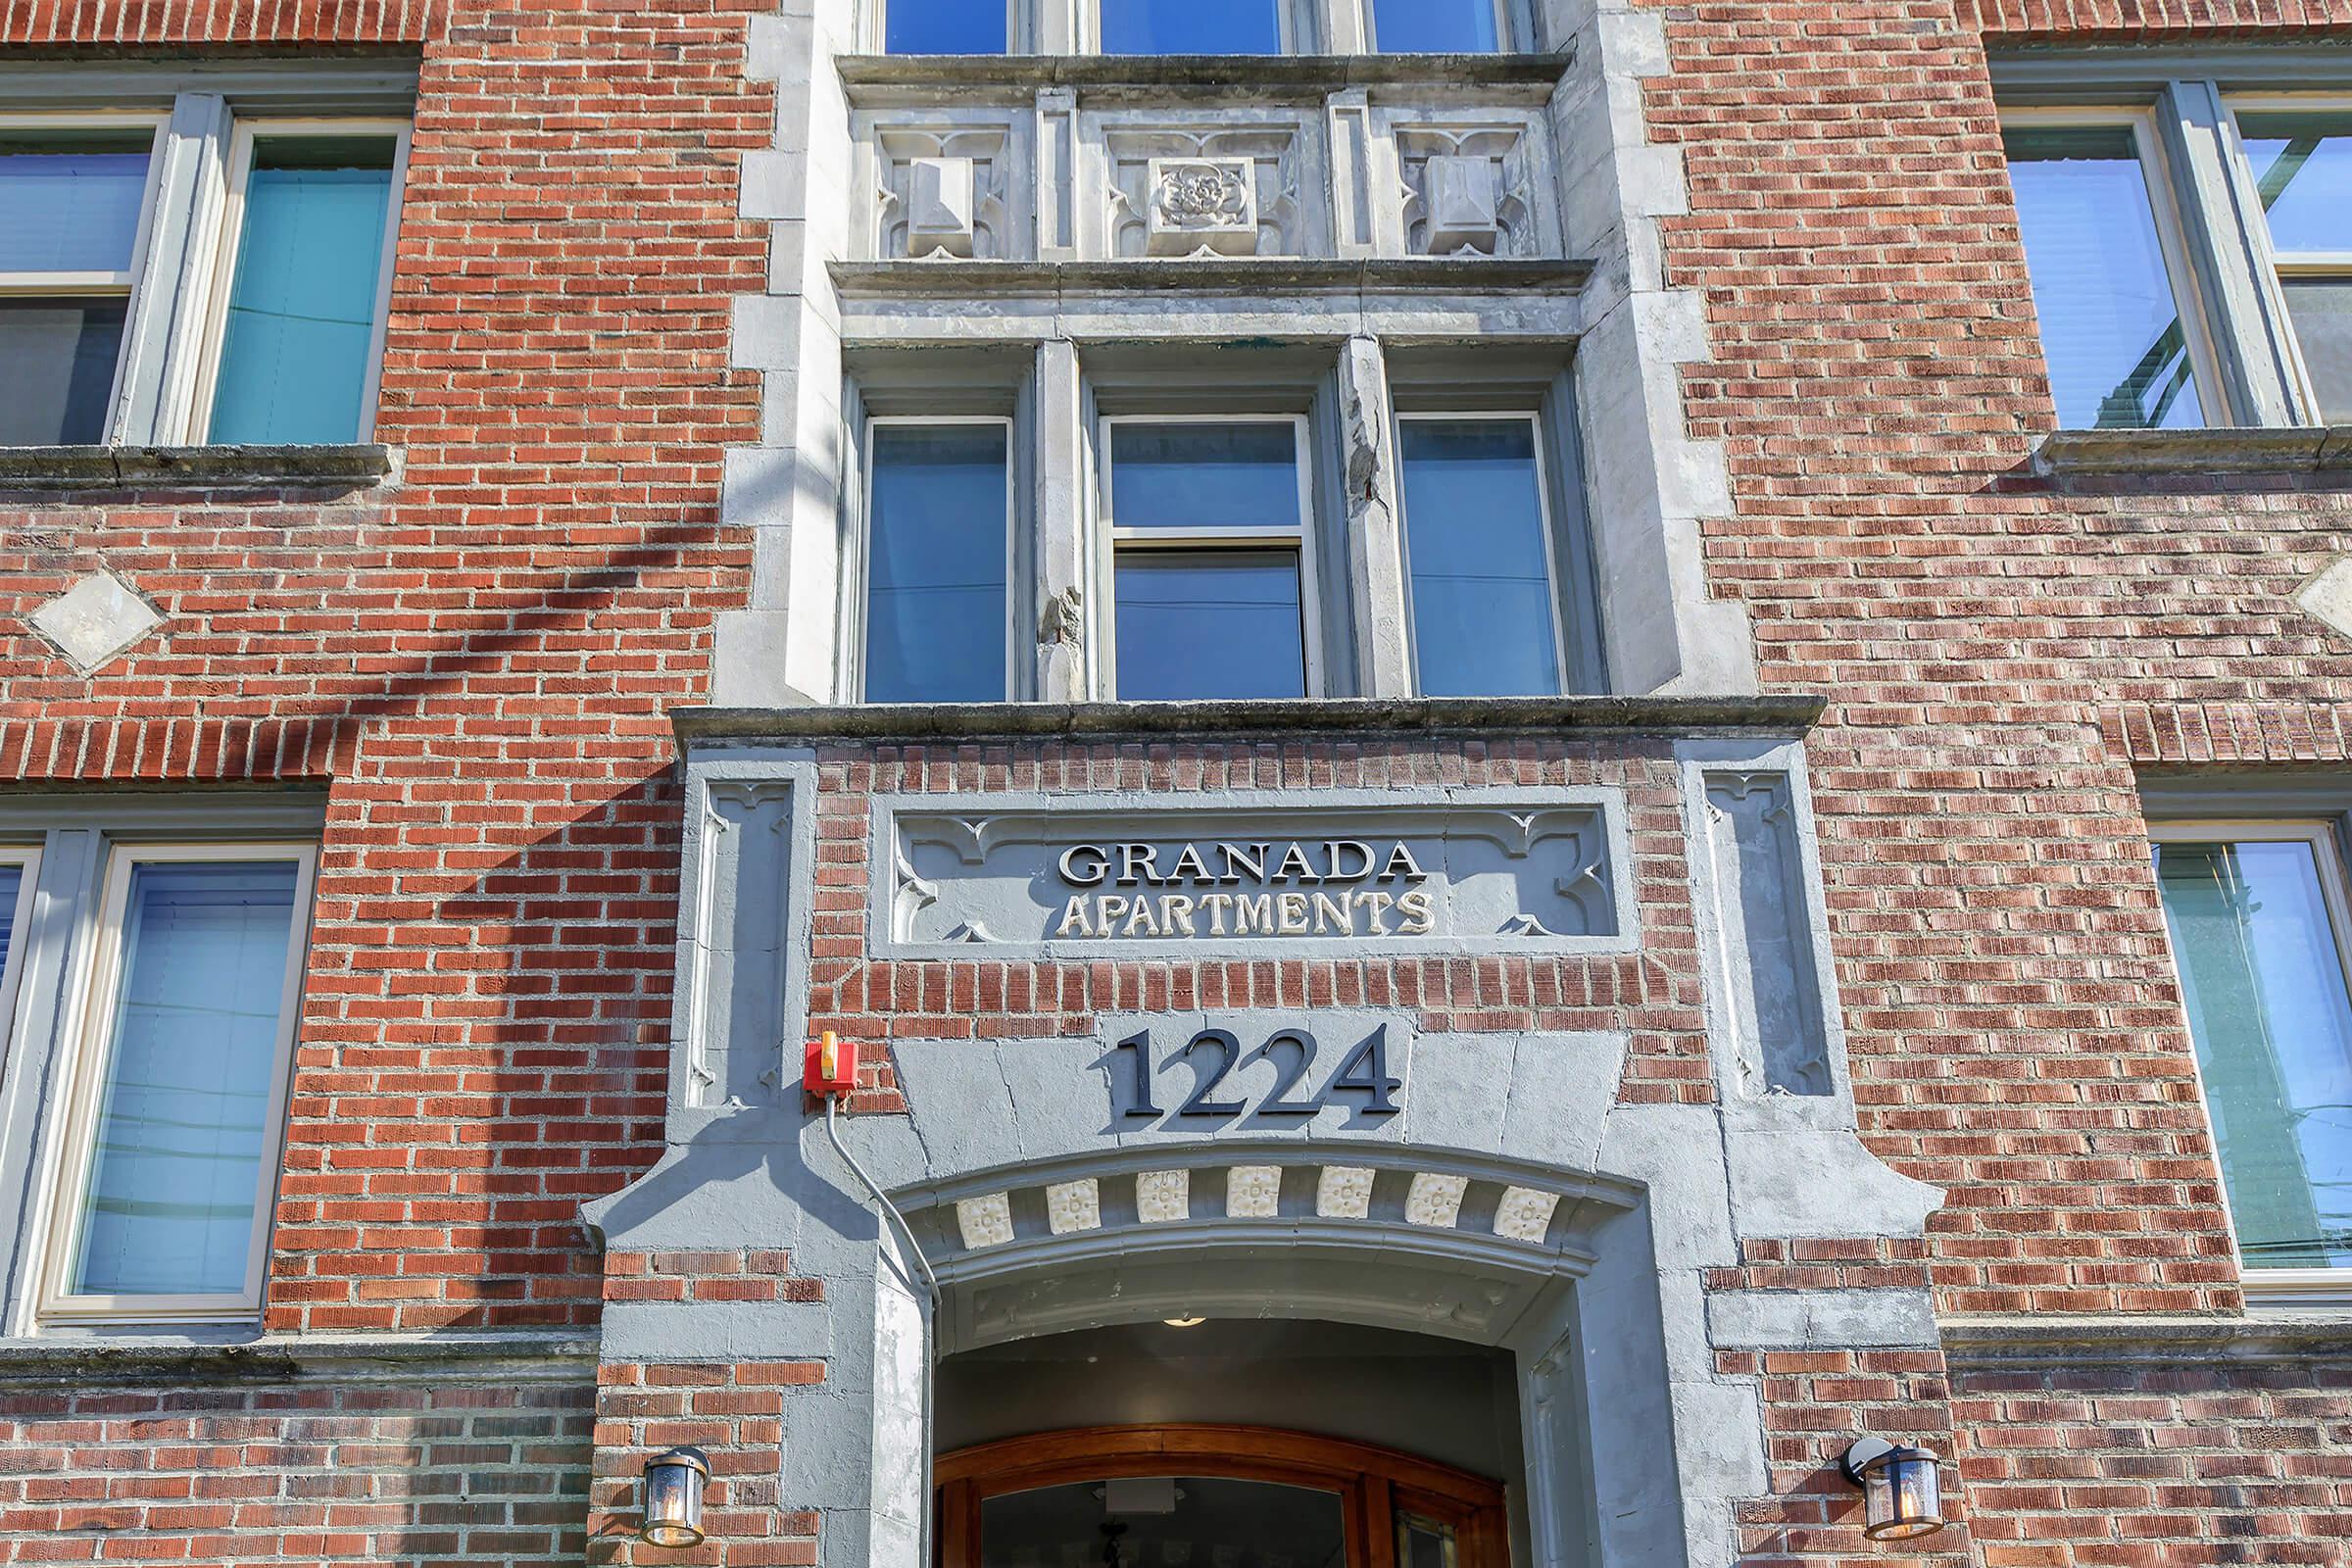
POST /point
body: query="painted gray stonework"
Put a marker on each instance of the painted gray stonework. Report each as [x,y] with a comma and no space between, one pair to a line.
[1510,1201]
[1298,873]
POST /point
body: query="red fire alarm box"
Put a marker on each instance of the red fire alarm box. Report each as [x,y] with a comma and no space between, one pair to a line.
[831,1065]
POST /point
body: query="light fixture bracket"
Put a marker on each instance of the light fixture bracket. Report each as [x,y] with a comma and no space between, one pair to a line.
[1860,1454]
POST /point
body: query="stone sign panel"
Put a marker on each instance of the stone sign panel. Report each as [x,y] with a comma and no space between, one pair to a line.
[1280,873]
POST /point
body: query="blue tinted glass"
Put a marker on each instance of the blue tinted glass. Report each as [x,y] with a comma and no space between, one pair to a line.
[935,611]
[2263,982]
[60,357]
[71,204]
[944,28]
[12,882]
[1191,27]
[1203,475]
[1434,26]
[1474,539]
[2303,170]
[184,1123]
[294,360]
[1208,623]
[2110,328]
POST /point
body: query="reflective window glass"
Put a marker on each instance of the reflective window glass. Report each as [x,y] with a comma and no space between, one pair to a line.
[1435,27]
[186,1096]
[935,565]
[60,357]
[944,28]
[12,884]
[1204,624]
[2262,976]
[2303,171]
[2321,309]
[2110,329]
[1204,475]
[1484,607]
[69,202]
[296,353]
[1191,27]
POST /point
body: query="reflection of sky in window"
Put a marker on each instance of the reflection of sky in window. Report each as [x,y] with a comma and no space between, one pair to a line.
[1464,26]
[2264,991]
[68,210]
[1190,28]
[1204,475]
[943,28]
[2110,326]
[935,565]
[2303,168]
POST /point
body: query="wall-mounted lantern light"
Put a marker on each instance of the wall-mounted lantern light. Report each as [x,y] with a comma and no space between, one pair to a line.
[674,1498]
[1901,1493]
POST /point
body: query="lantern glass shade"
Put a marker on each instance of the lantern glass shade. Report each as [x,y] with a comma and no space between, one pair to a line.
[674,1498]
[1901,1495]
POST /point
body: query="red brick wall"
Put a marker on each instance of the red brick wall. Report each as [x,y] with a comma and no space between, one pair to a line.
[479,655]
[313,1471]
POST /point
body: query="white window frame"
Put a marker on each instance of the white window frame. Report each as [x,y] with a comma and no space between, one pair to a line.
[122,284]
[86,1077]
[1547,522]
[1300,537]
[1506,25]
[2276,1287]
[2172,243]
[27,858]
[2281,264]
[861,599]
[232,227]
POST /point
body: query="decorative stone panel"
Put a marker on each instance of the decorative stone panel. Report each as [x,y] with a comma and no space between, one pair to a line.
[1236,186]
[1474,186]
[943,186]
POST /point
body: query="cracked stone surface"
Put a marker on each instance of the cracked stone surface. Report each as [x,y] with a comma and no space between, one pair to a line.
[95,622]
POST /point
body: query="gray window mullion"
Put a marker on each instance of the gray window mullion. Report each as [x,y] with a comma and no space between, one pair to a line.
[1065,621]
[1375,552]
[171,298]
[64,909]
[2222,223]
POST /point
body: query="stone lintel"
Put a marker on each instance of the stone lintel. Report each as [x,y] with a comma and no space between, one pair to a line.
[2164,454]
[209,468]
[1787,712]
[1250,278]
[2061,1339]
[1271,78]
[474,1358]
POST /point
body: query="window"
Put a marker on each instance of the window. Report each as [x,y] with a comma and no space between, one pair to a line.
[1211,568]
[2302,168]
[2258,918]
[1193,26]
[20,874]
[2112,326]
[194,276]
[1477,538]
[302,329]
[1438,26]
[74,217]
[937,560]
[945,27]
[177,1083]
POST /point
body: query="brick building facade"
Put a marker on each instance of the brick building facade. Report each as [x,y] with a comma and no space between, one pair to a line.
[1791,1044]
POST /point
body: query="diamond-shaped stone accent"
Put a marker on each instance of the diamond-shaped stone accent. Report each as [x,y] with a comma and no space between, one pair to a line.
[1073,1205]
[1525,1214]
[95,620]
[2327,597]
[1434,1200]
[1163,1196]
[985,1221]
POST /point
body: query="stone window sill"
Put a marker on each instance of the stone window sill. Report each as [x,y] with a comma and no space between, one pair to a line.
[1491,78]
[1250,275]
[337,1357]
[2159,454]
[1790,713]
[48,469]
